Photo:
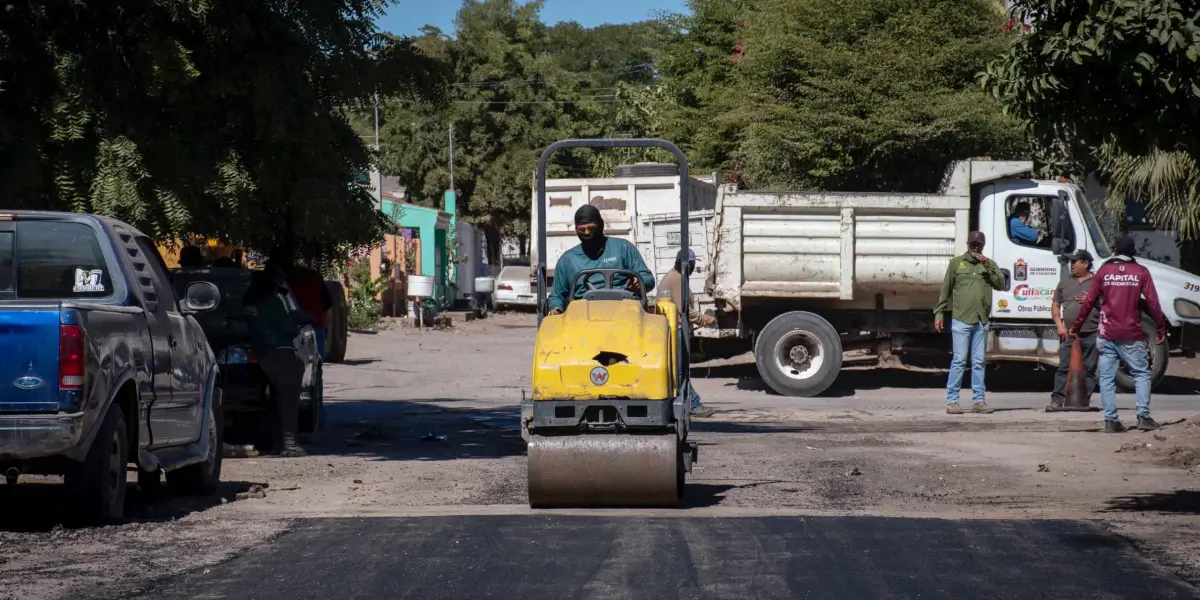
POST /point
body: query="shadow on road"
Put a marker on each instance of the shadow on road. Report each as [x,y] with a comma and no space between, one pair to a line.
[417,430]
[1181,502]
[42,505]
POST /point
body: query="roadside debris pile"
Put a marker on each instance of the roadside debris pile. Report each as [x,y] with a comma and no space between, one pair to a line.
[1176,445]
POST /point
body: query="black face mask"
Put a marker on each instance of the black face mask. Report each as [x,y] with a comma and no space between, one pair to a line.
[593,241]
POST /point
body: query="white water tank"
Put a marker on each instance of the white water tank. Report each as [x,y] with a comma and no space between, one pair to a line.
[420,286]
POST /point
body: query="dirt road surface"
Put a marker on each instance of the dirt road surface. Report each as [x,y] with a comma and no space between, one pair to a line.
[423,423]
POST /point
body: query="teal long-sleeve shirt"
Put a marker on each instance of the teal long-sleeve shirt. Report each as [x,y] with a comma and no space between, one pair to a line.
[618,254]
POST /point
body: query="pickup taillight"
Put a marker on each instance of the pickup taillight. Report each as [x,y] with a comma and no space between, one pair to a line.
[72,364]
[504,286]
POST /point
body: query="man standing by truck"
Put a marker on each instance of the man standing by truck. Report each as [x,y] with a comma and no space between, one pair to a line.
[969,282]
[1119,287]
[1065,308]
[671,287]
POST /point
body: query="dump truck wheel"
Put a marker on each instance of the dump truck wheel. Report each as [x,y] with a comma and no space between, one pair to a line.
[798,354]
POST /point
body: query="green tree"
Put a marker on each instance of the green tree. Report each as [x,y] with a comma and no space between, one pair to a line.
[865,94]
[182,116]
[514,86]
[1120,78]
[696,58]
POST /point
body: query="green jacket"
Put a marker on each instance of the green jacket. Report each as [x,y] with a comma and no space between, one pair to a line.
[618,254]
[969,283]
[274,325]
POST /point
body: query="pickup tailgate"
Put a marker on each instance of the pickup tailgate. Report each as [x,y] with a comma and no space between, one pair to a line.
[29,372]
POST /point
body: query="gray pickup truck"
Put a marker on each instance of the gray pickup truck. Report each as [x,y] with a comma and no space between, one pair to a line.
[103,366]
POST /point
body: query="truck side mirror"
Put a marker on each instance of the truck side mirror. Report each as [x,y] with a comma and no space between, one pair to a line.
[1060,225]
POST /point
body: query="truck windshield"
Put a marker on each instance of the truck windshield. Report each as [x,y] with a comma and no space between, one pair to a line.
[54,259]
[1099,244]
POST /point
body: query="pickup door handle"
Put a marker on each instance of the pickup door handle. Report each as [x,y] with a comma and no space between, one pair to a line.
[172,341]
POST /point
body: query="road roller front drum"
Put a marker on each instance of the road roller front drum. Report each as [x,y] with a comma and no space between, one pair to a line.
[607,470]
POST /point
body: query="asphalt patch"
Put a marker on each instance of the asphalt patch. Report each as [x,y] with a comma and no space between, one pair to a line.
[567,557]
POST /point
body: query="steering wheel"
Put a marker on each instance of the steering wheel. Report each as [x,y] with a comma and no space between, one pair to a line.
[607,291]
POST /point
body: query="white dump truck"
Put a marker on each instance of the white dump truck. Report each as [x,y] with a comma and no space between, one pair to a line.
[801,278]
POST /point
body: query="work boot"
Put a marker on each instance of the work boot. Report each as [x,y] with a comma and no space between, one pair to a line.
[1113,427]
[703,412]
[982,408]
[954,409]
[1054,407]
[1147,424]
[292,448]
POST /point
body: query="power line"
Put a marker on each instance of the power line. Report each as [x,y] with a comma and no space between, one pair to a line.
[543,80]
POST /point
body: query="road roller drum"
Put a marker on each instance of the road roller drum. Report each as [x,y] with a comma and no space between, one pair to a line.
[605,470]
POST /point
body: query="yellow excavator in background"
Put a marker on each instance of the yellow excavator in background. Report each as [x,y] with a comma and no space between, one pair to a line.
[608,418]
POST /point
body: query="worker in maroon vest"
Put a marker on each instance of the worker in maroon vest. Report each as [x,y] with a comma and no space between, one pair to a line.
[1119,286]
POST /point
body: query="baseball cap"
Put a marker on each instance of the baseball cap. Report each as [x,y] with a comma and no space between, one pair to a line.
[691,256]
[977,237]
[1082,254]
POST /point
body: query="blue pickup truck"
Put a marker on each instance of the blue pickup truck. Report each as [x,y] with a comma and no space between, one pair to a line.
[103,367]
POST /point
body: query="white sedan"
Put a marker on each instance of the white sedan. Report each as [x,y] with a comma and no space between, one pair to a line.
[513,288]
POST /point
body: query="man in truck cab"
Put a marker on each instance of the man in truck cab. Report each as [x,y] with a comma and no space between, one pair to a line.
[1019,228]
[1119,287]
[969,282]
[595,251]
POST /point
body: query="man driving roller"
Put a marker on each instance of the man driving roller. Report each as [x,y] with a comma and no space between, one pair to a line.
[595,251]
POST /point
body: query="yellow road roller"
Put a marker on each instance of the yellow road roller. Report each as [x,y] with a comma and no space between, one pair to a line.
[607,420]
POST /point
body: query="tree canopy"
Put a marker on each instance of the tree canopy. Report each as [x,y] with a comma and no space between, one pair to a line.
[217,117]
[1118,72]
[515,86]
[863,94]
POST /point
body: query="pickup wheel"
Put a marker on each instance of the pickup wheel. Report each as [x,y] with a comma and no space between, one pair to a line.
[310,418]
[798,354]
[202,478]
[1158,359]
[97,485]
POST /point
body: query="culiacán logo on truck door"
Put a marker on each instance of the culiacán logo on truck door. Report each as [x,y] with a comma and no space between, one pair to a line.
[1023,292]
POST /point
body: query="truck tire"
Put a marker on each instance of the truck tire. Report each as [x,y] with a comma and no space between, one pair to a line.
[1158,359]
[337,324]
[96,487]
[202,479]
[798,354]
[310,418]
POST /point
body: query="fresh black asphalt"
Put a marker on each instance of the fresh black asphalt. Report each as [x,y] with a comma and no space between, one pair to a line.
[566,557]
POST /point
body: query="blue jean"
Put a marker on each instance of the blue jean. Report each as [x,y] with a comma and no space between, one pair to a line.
[973,339]
[696,404]
[321,333]
[1137,360]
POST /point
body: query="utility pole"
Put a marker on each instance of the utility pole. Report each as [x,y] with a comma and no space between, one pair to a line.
[378,177]
[451,129]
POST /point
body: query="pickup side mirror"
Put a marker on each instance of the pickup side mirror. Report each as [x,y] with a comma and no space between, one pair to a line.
[201,296]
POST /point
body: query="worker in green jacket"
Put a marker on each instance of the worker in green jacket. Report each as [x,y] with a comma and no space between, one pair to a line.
[969,282]
[595,251]
[275,324]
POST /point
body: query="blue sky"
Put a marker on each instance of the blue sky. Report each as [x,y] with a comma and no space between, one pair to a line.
[405,17]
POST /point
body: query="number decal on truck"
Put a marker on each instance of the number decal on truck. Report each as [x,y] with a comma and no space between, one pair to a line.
[1191,287]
